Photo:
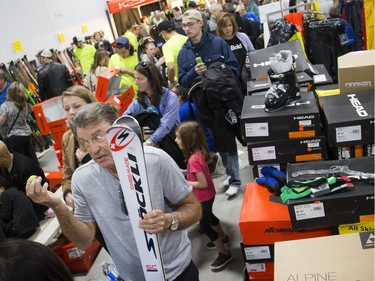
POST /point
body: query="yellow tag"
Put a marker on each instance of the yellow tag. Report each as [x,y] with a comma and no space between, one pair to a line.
[326,93]
[61,37]
[356,227]
[84,28]
[17,46]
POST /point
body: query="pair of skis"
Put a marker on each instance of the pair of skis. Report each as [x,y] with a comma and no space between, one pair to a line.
[126,143]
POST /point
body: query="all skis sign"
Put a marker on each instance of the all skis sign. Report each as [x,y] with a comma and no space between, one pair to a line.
[124,138]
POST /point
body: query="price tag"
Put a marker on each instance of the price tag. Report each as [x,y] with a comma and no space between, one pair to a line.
[264,153]
[256,253]
[350,133]
[309,211]
[256,129]
[319,78]
[256,267]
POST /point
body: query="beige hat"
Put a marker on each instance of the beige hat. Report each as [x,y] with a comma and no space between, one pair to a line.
[46,53]
[192,14]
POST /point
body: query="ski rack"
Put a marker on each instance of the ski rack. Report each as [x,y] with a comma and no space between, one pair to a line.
[288,9]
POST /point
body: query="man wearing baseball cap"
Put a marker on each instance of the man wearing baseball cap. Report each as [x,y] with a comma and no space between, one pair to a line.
[210,49]
[173,45]
[53,77]
[126,59]
[84,53]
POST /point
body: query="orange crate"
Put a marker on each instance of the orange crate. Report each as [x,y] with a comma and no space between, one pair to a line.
[77,260]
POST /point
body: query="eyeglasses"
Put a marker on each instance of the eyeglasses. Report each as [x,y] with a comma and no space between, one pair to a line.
[124,209]
[188,25]
[97,139]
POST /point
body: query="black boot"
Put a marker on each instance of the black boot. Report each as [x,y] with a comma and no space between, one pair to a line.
[286,88]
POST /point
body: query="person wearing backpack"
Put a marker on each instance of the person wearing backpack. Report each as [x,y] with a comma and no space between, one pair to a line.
[211,108]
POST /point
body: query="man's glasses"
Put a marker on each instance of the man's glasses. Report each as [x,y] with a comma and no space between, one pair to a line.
[188,25]
[124,209]
[97,139]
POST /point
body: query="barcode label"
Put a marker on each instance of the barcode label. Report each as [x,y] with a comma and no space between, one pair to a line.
[256,253]
[319,78]
[350,133]
[264,153]
[256,130]
[256,267]
[309,211]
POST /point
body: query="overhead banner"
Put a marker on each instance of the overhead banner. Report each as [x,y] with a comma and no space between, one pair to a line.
[116,6]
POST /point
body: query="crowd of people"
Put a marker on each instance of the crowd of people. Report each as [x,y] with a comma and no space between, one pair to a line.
[158,58]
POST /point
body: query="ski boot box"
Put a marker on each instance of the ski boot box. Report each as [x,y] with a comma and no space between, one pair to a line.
[264,222]
[348,152]
[287,151]
[321,76]
[262,271]
[291,122]
[338,257]
[78,261]
[305,81]
[332,209]
[349,118]
[257,168]
[260,62]
[258,86]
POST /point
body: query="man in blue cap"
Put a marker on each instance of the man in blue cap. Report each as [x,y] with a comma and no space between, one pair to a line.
[126,59]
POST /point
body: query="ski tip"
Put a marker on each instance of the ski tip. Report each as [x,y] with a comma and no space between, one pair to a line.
[125,119]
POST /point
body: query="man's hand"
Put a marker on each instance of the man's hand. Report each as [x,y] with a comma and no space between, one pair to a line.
[200,68]
[40,194]
[155,221]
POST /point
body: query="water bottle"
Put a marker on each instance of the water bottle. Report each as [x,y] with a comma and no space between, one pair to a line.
[110,271]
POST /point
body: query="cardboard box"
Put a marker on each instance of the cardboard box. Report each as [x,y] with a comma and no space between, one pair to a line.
[263,222]
[356,71]
[287,151]
[304,80]
[260,62]
[349,118]
[336,208]
[292,122]
[348,257]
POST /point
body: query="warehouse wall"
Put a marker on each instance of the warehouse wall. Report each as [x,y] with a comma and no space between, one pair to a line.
[36,24]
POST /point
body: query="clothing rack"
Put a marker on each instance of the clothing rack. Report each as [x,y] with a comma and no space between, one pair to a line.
[287,9]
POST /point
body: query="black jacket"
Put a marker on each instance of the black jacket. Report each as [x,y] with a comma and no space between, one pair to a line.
[23,167]
[53,79]
[17,214]
[168,144]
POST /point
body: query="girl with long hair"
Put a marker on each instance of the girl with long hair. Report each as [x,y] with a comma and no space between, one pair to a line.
[190,138]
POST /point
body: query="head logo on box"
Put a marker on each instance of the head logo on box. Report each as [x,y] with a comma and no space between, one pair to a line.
[357,105]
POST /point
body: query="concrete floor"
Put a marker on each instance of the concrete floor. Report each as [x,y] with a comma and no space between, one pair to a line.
[227,211]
